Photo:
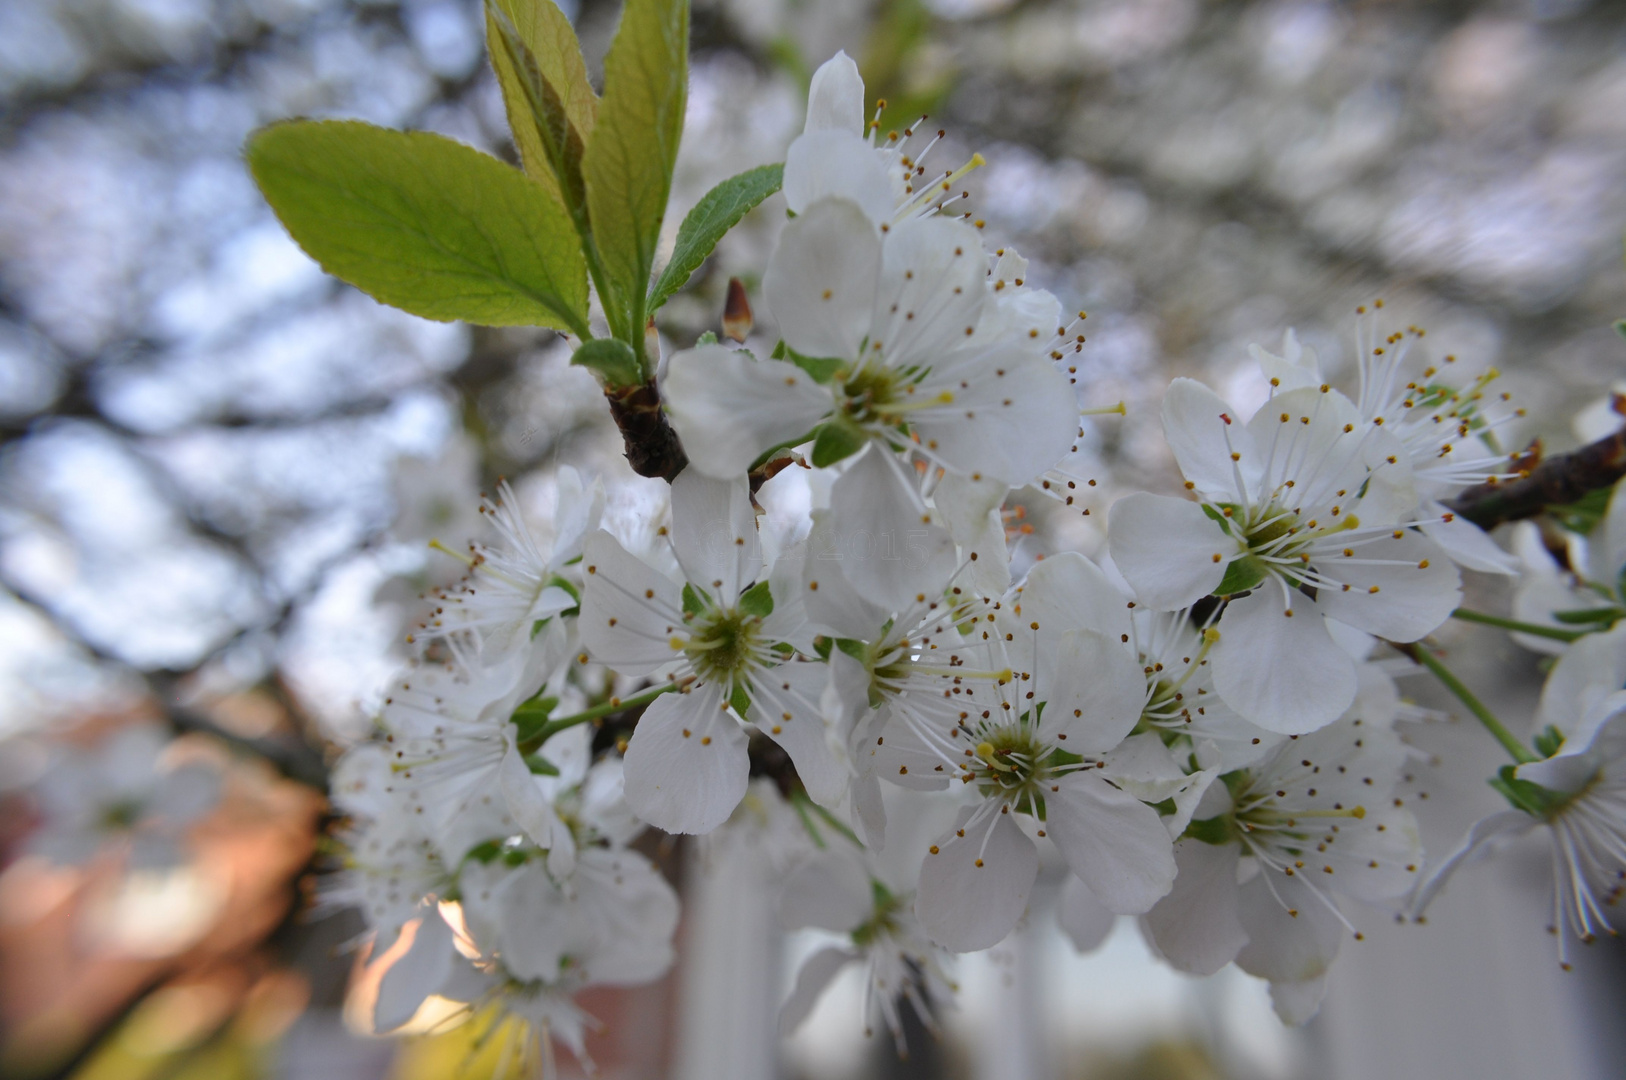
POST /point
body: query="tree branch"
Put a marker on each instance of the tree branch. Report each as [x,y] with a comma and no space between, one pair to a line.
[652,446]
[1557,481]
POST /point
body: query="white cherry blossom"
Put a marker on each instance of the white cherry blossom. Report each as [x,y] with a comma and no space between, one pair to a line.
[721,638]
[1278,529]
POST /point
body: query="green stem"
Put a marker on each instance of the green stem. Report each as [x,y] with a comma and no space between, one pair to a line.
[1513,746]
[1554,632]
[834,822]
[801,804]
[532,743]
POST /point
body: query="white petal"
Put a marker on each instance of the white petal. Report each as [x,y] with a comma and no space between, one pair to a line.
[524,799]
[1588,672]
[1171,553]
[1204,431]
[820,282]
[416,974]
[1414,594]
[785,706]
[1084,919]
[1094,689]
[1316,439]
[931,290]
[889,547]
[1543,589]
[1195,927]
[1282,672]
[1012,416]
[869,812]
[1282,946]
[1113,842]
[975,887]
[902,757]
[829,889]
[1296,367]
[686,767]
[832,603]
[1483,833]
[829,164]
[971,511]
[714,533]
[1469,546]
[816,973]
[835,97]
[729,408]
[1069,592]
[629,610]
[1297,1002]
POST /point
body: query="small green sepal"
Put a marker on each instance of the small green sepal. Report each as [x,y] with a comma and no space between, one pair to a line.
[612,359]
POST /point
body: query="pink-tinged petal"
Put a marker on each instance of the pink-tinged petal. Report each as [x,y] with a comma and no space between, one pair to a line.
[729,408]
[1204,432]
[786,707]
[1083,918]
[974,888]
[835,97]
[714,533]
[828,164]
[829,889]
[630,611]
[416,973]
[1170,551]
[820,282]
[1282,672]
[815,975]
[930,291]
[1408,590]
[686,766]
[1114,842]
[1069,592]
[1010,416]
[1094,689]
[1195,928]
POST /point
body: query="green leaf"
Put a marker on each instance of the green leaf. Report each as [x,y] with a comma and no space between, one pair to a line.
[551,106]
[1218,516]
[628,163]
[740,699]
[1582,616]
[757,600]
[1214,830]
[836,440]
[1620,327]
[612,359]
[540,765]
[719,211]
[1242,575]
[1549,741]
[423,223]
[821,368]
[1584,514]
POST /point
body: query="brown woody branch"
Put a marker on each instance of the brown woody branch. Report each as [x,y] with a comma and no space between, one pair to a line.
[652,446]
[1558,481]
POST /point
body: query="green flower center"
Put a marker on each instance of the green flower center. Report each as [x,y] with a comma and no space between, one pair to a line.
[723,644]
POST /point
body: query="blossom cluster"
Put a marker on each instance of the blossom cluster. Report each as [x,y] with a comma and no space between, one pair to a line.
[1199,723]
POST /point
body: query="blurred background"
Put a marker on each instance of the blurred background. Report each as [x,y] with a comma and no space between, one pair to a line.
[220,469]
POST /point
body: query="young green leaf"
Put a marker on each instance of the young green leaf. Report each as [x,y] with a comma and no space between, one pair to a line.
[719,211]
[835,441]
[628,163]
[551,106]
[612,359]
[757,600]
[423,223]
